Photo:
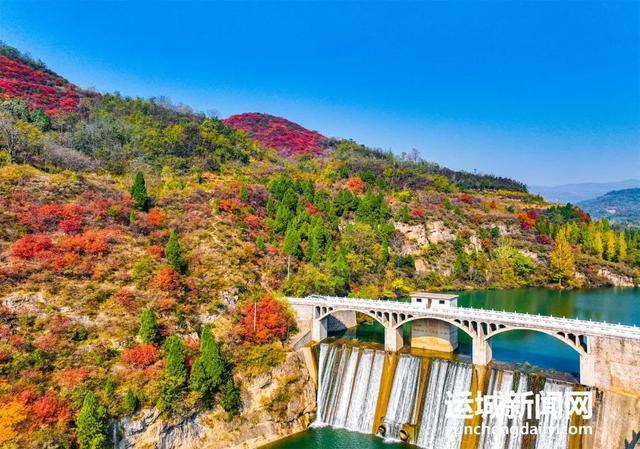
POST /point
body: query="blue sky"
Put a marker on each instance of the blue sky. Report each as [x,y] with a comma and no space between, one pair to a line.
[545,92]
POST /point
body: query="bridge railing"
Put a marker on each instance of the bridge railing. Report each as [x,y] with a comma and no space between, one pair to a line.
[572,325]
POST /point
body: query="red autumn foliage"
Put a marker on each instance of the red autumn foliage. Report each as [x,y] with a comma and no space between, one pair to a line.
[124,296]
[230,205]
[544,239]
[47,342]
[167,279]
[156,251]
[418,212]
[155,217]
[493,204]
[140,355]
[49,409]
[527,219]
[90,242]
[355,184]
[38,87]
[72,377]
[70,225]
[466,198]
[31,246]
[272,320]
[288,138]
[252,221]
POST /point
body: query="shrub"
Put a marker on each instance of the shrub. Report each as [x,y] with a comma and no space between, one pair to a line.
[31,246]
[167,279]
[140,355]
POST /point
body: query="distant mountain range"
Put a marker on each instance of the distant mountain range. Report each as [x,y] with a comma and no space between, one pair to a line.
[575,193]
[620,207]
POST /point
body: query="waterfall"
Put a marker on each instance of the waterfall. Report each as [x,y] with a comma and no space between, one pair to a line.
[401,406]
[502,383]
[553,432]
[348,384]
[437,431]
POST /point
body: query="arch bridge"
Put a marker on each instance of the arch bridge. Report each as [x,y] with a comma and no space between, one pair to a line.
[608,352]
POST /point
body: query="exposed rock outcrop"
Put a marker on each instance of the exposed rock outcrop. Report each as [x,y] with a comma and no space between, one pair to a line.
[275,405]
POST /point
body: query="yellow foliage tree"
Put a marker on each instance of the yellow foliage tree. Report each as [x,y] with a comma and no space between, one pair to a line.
[562,260]
[622,247]
[11,415]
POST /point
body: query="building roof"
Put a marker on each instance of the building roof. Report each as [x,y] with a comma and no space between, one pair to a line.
[433,295]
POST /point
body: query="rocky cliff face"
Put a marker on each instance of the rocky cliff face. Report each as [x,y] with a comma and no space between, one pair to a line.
[275,405]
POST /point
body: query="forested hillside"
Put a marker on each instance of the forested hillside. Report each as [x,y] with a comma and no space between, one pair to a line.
[621,207]
[132,232]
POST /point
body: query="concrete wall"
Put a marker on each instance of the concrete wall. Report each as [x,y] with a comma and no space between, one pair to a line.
[341,320]
[434,335]
[612,364]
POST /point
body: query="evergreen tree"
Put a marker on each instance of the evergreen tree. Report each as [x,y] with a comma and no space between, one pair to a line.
[244,195]
[139,192]
[148,326]
[317,237]
[291,245]
[175,373]
[130,402]
[172,252]
[260,243]
[403,214]
[340,271]
[622,247]
[230,396]
[91,424]
[206,374]
[610,248]
[562,259]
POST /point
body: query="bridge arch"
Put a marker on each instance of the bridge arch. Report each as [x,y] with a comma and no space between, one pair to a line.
[329,311]
[577,342]
[464,325]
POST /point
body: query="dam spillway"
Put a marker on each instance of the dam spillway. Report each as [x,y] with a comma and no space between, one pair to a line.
[351,396]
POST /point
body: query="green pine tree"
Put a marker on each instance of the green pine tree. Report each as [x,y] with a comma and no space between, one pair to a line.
[172,252]
[130,402]
[139,192]
[91,424]
[148,326]
[291,245]
[206,374]
[230,396]
[244,195]
[175,373]
[260,243]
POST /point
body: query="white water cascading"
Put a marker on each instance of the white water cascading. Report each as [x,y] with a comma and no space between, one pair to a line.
[553,432]
[404,391]
[348,385]
[349,381]
[437,430]
[503,383]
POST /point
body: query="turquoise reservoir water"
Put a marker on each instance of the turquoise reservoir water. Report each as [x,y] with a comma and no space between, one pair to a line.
[329,438]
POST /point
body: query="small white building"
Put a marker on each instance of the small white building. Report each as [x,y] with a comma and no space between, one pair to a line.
[434,300]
